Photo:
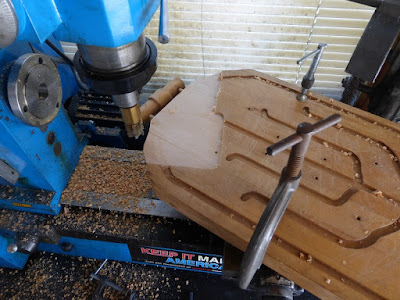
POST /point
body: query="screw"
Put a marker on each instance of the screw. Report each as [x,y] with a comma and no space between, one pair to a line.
[300,142]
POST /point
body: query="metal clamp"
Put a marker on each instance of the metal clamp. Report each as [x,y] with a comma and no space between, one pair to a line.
[288,183]
[308,79]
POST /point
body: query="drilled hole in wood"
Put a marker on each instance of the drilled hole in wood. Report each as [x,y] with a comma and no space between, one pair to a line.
[306,110]
[324,159]
[316,178]
[358,218]
[376,164]
[277,136]
[264,113]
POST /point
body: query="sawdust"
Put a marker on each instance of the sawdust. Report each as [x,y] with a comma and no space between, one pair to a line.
[52,276]
[121,174]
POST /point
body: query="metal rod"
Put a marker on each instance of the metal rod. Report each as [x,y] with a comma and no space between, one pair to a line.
[327,122]
[284,144]
[307,56]
[163,30]
[264,231]
[98,270]
[59,52]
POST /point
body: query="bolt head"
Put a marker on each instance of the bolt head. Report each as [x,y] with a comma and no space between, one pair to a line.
[12,248]
[305,128]
[302,97]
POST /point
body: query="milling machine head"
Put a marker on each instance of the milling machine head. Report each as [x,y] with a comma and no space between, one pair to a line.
[120,72]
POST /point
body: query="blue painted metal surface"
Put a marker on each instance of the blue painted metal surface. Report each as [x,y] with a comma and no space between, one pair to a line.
[91,248]
[18,48]
[25,148]
[106,23]
[7,260]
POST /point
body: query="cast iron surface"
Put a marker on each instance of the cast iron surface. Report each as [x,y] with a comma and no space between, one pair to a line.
[376,41]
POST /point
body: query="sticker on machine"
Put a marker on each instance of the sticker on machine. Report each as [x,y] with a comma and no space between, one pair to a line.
[179,259]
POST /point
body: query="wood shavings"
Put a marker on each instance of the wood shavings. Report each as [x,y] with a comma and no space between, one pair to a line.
[301,255]
[340,241]
[309,258]
[378,193]
[328,281]
[325,144]
[115,175]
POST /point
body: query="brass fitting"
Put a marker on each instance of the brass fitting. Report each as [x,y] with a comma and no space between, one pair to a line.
[133,121]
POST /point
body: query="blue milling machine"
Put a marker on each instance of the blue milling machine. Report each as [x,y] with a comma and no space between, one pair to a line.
[39,145]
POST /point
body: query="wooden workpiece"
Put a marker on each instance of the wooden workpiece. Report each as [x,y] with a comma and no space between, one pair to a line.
[339,237]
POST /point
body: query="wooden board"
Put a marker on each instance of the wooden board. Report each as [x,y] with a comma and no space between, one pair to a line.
[339,237]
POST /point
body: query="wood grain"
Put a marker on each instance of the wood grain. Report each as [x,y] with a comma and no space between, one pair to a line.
[339,237]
